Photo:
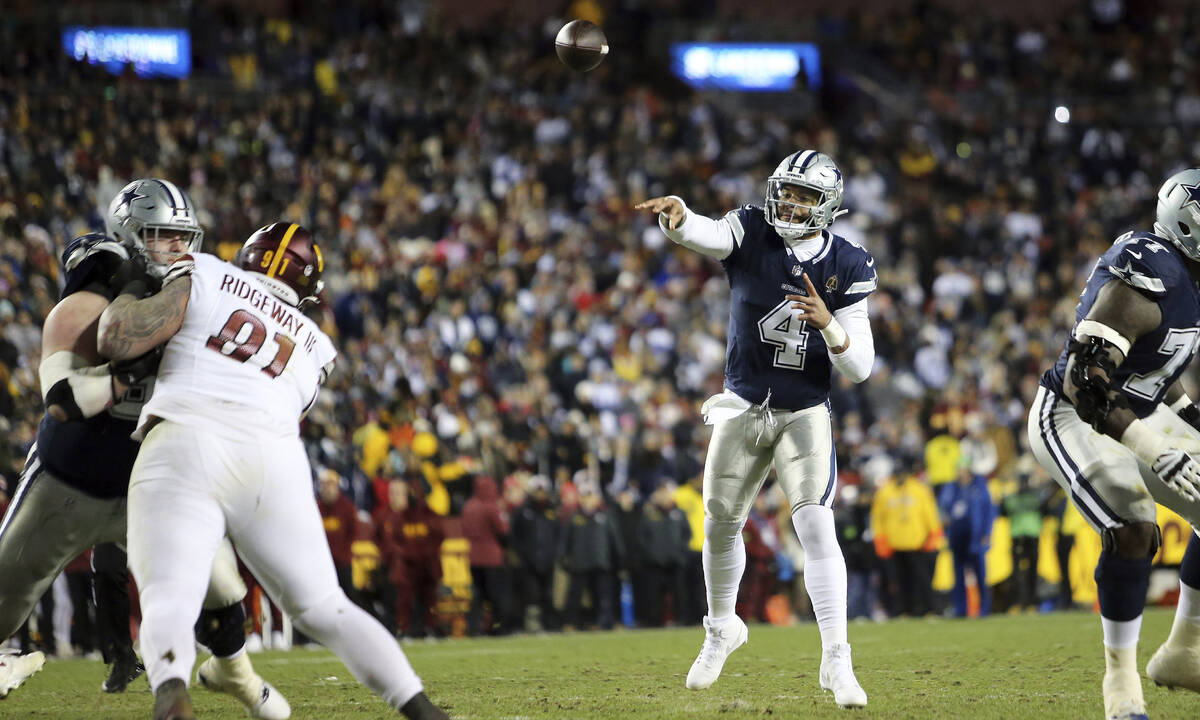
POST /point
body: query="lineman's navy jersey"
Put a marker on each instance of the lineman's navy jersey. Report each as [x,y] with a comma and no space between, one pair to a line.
[769,348]
[1153,266]
[94,455]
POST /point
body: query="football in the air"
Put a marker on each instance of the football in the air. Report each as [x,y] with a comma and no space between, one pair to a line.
[581,45]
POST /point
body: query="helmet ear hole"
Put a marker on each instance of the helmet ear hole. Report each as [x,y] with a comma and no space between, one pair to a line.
[1184,230]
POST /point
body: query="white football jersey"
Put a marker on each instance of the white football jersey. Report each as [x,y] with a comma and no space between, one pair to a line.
[243,363]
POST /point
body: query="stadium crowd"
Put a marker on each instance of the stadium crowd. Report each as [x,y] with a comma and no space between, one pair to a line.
[523,356]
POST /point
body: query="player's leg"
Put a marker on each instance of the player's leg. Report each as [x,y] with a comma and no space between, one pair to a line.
[958,594]
[221,628]
[1105,482]
[979,569]
[281,539]
[110,591]
[47,524]
[806,467]
[737,463]
[175,528]
[1177,662]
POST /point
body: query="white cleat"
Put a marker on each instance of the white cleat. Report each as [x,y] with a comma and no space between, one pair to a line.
[1175,667]
[1123,696]
[16,669]
[837,674]
[718,644]
[261,699]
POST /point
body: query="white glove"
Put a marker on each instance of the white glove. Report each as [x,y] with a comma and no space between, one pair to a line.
[1180,471]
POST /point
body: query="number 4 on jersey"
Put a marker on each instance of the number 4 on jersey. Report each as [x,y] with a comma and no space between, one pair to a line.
[243,336]
[786,332]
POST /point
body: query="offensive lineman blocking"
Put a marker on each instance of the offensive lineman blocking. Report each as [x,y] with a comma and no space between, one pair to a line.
[222,449]
[786,272]
[1112,423]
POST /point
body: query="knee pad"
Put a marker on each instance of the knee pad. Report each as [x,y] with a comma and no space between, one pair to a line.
[321,615]
[1138,540]
[718,509]
[222,630]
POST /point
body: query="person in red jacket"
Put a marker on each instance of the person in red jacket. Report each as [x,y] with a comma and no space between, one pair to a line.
[485,525]
[411,542]
[340,518]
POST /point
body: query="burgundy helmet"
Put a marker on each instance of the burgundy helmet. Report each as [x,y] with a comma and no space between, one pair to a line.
[287,258]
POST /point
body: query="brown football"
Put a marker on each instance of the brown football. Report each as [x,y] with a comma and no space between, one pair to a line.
[581,45]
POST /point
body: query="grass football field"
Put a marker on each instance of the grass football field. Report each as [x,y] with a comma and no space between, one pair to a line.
[1029,666]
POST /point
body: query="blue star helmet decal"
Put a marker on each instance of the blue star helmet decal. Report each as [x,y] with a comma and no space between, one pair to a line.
[128,197]
[1193,193]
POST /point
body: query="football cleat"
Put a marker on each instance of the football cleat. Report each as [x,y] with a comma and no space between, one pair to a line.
[235,677]
[16,669]
[172,702]
[837,675]
[719,642]
[124,670]
[1123,696]
[1175,667]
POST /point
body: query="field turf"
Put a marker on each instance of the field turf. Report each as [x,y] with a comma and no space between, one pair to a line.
[1029,666]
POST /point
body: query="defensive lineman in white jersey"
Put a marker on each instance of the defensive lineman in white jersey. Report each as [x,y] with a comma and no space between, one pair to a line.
[221,453]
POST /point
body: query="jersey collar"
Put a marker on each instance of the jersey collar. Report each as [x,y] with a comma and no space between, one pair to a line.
[810,250]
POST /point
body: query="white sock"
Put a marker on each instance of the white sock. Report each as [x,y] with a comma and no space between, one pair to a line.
[825,581]
[1121,634]
[1185,630]
[824,570]
[1189,603]
[724,558]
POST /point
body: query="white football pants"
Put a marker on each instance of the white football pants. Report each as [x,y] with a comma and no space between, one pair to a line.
[189,488]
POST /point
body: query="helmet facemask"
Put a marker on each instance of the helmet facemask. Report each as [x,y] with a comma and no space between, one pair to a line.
[788,212]
[158,220]
[803,195]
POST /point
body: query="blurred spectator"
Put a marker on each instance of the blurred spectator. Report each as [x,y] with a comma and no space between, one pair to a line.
[485,525]
[663,535]
[535,534]
[627,514]
[969,512]
[590,550]
[84,631]
[1024,509]
[689,499]
[852,517]
[416,555]
[906,529]
[341,521]
[761,537]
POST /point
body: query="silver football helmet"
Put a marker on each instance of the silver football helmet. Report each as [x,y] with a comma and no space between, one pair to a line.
[806,169]
[148,210]
[1178,215]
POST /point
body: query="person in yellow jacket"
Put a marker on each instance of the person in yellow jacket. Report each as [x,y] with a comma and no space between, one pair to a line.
[907,530]
[688,499]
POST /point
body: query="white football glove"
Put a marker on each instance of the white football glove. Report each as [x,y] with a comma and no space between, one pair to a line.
[1180,471]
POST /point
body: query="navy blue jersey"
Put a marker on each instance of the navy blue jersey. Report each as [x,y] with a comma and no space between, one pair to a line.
[1154,267]
[769,348]
[96,454]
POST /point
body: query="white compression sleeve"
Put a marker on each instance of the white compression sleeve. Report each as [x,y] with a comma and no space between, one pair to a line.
[858,359]
[706,236]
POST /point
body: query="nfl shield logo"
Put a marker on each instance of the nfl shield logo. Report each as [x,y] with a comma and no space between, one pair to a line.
[797,271]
